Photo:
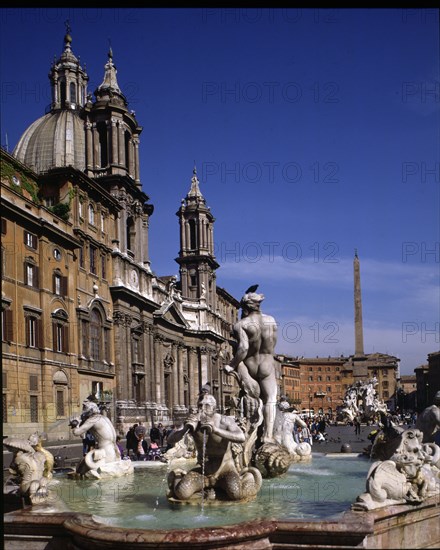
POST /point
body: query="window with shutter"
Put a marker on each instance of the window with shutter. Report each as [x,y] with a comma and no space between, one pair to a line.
[65,339]
[60,403]
[34,408]
[59,334]
[64,283]
[54,337]
[39,333]
[7,325]
[30,240]
[93,259]
[33,382]
[57,284]
[31,273]
[5,407]
[31,332]
[60,338]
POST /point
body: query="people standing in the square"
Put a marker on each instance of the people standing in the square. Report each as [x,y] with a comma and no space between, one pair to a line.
[132,440]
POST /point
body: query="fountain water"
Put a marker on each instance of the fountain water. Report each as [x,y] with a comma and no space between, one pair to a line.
[317,489]
[203,472]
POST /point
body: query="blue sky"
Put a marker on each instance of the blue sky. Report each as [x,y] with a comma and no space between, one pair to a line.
[315,132]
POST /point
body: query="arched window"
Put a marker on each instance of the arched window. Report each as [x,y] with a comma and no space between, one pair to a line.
[192,234]
[60,331]
[95,334]
[72,92]
[91,214]
[62,92]
[60,382]
[102,132]
[131,233]
[127,149]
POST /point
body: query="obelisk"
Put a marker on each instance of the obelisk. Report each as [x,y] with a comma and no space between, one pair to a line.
[360,371]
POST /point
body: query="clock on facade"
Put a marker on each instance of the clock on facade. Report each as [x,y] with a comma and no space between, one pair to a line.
[134,278]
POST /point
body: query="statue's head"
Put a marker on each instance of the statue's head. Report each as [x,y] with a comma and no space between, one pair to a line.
[251,302]
[89,408]
[437,398]
[34,439]
[207,404]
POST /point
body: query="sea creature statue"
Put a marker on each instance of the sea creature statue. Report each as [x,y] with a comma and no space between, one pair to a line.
[428,421]
[30,469]
[285,421]
[105,460]
[408,475]
[360,400]
[387,440]
[222,472]
[184,448]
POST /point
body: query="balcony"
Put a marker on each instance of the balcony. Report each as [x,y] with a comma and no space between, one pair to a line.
[91,365]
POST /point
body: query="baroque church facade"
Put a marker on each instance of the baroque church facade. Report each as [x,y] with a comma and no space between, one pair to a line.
[83,313]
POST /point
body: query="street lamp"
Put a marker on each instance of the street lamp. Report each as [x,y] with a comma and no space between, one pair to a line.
[310,405]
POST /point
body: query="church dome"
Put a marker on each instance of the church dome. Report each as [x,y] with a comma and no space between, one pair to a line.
[58,138]
[55,140]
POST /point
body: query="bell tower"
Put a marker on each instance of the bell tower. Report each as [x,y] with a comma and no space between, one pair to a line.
[196,256]
[112,132]
[68,79]
[112,158]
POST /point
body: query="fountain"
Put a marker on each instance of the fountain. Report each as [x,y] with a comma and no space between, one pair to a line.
[105,461]
[361,402]
[235,454]
[247,480]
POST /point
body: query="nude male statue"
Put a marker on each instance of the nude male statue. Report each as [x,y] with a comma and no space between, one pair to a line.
[257,336]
